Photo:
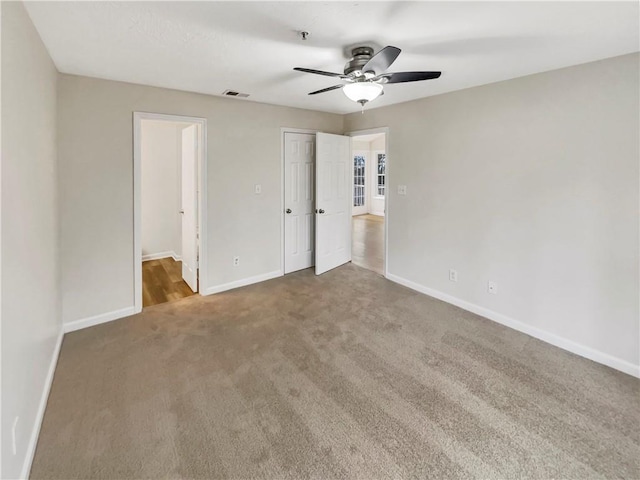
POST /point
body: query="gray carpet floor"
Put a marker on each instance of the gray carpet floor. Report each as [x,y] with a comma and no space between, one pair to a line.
[346,375]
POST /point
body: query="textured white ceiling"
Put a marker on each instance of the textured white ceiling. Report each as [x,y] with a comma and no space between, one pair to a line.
[251,47]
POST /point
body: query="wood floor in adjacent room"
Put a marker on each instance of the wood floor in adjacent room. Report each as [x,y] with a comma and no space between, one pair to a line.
[343,375]
[367,242]
[162,282]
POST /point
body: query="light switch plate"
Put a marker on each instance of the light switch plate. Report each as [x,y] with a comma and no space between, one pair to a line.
[402,189]
[258,188]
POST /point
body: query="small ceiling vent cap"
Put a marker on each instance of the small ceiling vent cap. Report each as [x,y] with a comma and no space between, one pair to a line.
[233,93]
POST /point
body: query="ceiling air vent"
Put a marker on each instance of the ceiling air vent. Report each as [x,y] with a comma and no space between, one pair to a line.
[232,93]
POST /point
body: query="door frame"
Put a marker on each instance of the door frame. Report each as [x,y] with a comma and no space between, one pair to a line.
[138,117]
[387,195]
[284,130]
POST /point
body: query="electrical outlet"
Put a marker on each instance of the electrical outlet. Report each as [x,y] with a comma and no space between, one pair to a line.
[453,275]
[492,287]
[13,435]
[402,189]
[236,261]
[258,188]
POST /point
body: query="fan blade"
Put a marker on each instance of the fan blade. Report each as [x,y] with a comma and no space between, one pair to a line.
[382,60]
[320,72]
[402,77]
[328,89]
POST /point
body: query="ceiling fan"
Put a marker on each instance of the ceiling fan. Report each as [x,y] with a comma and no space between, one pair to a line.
[364,74]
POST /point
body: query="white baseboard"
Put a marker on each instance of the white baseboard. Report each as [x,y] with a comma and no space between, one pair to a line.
[35,433]
[552,338]
[98,319]
[243,283]
[158,256]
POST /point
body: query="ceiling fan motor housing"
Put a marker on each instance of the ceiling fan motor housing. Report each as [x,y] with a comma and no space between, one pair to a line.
[361,55]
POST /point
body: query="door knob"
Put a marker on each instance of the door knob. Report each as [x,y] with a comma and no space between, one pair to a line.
[321,211]
[182,211]
[288,210]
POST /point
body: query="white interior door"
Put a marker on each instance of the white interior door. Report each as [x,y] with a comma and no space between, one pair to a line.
[360,182]
[299,160]
[334,199]
[190,206]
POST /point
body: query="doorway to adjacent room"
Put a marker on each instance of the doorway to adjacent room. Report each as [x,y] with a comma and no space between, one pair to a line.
[169,160]
[369,154]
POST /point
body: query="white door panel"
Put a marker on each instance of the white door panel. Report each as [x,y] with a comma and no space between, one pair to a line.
[190,206]
[335,196]
[299,187]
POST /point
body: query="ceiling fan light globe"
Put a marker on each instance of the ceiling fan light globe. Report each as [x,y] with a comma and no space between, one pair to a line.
[362,91]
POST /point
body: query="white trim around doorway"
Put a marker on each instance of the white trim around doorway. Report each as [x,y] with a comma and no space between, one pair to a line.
[137,199]
[387,195]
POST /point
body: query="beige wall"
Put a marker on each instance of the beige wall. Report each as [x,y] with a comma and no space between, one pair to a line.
[96,178]
[30,281]
[531,183]
[161,166]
